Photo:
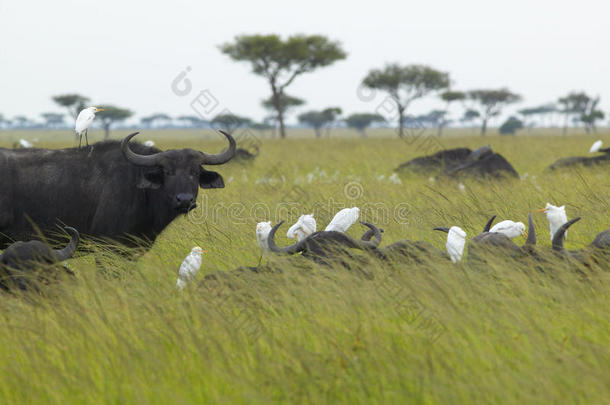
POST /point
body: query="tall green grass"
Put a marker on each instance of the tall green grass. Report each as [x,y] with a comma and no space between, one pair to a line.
[500,332]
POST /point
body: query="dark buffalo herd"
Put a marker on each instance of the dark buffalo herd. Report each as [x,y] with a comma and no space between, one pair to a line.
[603,158]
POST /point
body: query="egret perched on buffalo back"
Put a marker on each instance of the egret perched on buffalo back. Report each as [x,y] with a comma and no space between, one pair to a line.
[344,219]
[25,144]
[84,119]
[262,233]
[509,228]
[305,226]
[597,145]
[556,217]
[149,143]
[189,267]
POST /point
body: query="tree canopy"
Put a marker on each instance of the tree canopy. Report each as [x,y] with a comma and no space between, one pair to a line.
[230,122]
[405,84]
[281,61]
[112,115]
[319,119]
[74,103]
[491,102]
[360,122]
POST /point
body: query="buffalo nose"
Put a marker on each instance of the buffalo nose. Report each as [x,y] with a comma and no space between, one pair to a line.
[185,199]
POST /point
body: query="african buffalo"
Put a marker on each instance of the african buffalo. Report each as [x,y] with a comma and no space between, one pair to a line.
[112,190]
[481,162]
[586,161]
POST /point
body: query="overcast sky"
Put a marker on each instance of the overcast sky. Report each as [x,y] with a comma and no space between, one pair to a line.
[128,52]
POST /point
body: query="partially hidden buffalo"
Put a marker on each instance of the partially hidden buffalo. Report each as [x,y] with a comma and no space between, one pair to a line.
[482,163]
[587,161]
[111,190]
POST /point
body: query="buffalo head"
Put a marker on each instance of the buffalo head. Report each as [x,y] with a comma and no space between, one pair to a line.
[179,173]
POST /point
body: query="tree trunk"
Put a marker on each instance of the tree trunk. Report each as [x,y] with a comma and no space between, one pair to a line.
[106,131]
[484,127]
[318,133]
[401,121]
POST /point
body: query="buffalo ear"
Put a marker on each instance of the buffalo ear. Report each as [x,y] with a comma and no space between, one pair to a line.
[151,180]
[210,179]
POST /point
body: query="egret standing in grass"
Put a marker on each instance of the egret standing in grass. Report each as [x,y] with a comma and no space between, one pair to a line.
[556,217]
[344,219]
[84,119]
[305,226]
[189,267]
[510,228]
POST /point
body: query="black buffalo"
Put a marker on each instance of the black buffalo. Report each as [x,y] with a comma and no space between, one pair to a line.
[603,158]
[112,190]
[482,163]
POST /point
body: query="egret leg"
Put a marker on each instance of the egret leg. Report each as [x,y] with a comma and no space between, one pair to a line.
[86,138]
[80,140]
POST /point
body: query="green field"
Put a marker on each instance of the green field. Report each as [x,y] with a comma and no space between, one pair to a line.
[502,332]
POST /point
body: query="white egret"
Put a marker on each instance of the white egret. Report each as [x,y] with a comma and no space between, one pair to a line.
[456,240]
[344,219]
[556,217]
[305,226]
[189,267]
[25,144]
[149,143]
[262,233]
[84,119]
[597,145]
[509,228]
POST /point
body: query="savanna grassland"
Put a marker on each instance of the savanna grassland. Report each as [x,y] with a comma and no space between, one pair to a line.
[435,332]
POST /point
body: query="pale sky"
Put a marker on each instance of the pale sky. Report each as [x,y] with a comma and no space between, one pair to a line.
[128,52]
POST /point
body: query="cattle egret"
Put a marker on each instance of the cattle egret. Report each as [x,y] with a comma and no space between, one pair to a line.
[149,143]
[597,145]
[189,267]
[305,226]
[344,219]
[456,240]
[262,233]
[556,217]
[25,144]
[509,228]
[84,119]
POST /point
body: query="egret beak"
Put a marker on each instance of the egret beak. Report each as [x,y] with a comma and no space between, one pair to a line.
[524,233]
[541,210]
[204,251]
[99,109]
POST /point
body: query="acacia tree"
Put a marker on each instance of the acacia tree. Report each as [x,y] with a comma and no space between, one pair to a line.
[287,103]
[193,121]
[74,103]
[449,97]
[591,114]
[155,118]
[469,116]
[405,84]
[112,115]
[491,103]
[281,61]
[573,105]
[230,122]
[360,122]
[320,119]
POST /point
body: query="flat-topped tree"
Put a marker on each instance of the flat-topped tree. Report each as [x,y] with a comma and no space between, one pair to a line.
[404,84]
[281,61]
[74,103]
[360,122]
[491,102]
[287,103]
[320,119]
[573,105]
[111,115]
[591,114]
[193,121]
[230,122]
